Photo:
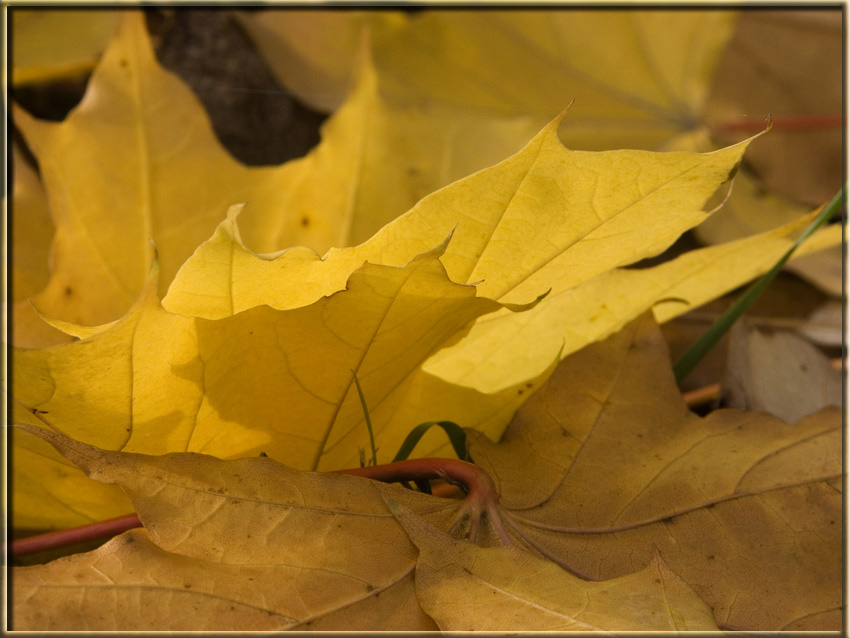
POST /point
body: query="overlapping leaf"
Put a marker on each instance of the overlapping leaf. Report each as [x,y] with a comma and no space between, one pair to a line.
[637,78]
[233,545]
[50,45]
[279,382]
[137,160]
[464,587]
[605,462]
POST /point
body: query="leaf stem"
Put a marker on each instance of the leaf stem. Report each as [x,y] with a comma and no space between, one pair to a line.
[481,498]
[368,419]
[63,537]
[710,337]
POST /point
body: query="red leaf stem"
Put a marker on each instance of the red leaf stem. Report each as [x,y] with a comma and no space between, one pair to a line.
[481,498]
[63,537]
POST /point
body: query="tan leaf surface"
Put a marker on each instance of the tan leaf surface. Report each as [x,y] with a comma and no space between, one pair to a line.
[605,462]
[464,587]
[279,382]
[240,545]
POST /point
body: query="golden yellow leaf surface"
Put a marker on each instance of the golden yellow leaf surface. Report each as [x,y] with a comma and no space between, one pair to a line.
[276,381]
[606,462]
[500,348]
[545,218]
[464,587]
[245,544]
[31,233]
[141,138]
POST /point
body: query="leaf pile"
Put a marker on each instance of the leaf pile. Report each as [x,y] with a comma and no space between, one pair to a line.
[250,543]
[156,377]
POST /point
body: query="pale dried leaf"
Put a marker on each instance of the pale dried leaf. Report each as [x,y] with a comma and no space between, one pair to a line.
[606,461]
[778,371]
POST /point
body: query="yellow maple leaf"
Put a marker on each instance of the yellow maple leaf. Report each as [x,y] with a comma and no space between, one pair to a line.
[235,545]
[638,93]
[160,159]
[276,381]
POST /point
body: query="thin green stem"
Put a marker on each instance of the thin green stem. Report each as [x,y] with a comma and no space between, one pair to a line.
[368,420]
[723,323]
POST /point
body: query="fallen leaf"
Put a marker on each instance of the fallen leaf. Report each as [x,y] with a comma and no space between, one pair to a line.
[31,233]
[547,217]
[51,45]
[464,587]
[767,68]
[645,89]
[263,379]
[752,209]
[318,68]
[605,461]
[499,349]
[824,324]
[141,138]
[778,371]
[50,492]
[244,544]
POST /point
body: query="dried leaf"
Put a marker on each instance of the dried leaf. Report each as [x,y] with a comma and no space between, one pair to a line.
[50,45]
[767,68]
[605,462]
[633,95]
[778,372]
[245,544]
[464,587]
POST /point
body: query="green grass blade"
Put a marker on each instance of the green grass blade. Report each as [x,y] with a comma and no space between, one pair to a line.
[368,419]
[714,333]
[457,437]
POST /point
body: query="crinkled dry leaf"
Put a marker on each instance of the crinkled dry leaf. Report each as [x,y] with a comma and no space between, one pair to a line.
[464,587]
[233,545]
[605,461]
